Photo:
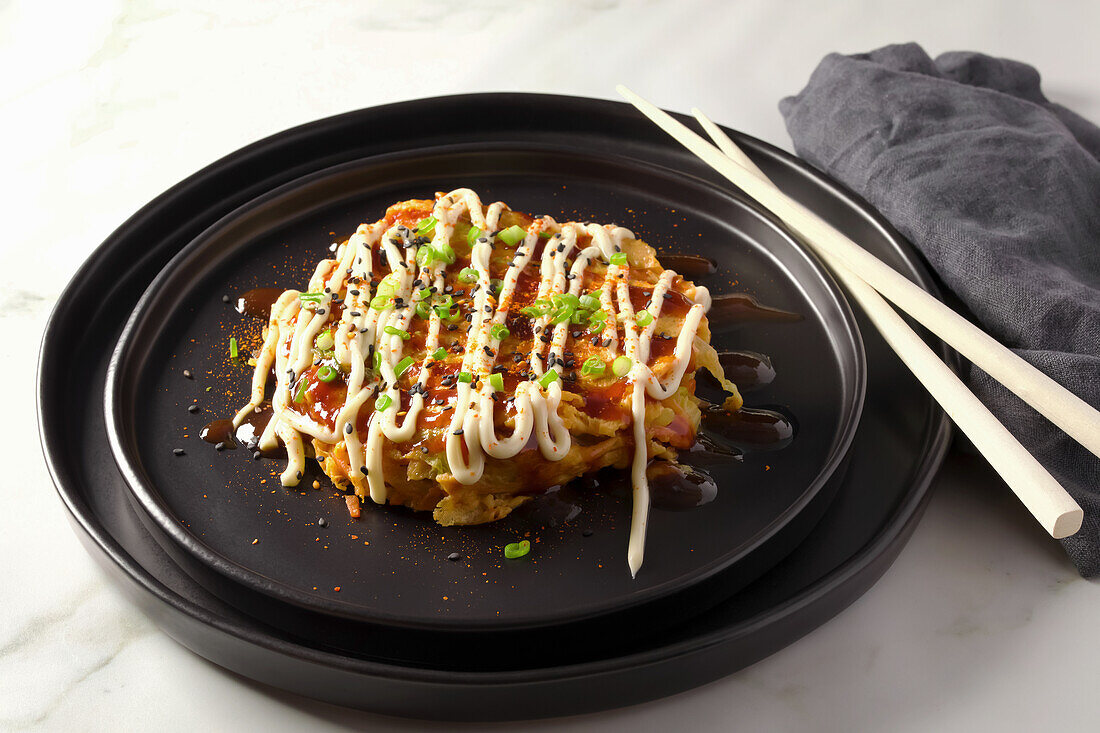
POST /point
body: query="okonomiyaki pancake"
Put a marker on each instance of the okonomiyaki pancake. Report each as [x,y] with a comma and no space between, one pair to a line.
[460,358]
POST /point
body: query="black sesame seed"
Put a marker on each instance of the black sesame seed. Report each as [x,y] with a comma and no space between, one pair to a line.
[349,428]
[220,446]
[177,451]
[225,298]
[454,556]
[321,522]
[256,455]
[363,470]
[187,374]
[586,533]
[192,409]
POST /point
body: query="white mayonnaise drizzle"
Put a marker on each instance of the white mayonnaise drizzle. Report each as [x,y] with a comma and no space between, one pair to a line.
[364,331]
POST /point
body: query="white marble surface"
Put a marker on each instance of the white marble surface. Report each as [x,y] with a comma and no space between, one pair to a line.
[980,626]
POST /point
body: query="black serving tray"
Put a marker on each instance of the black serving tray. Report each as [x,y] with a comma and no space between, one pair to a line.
[898,446]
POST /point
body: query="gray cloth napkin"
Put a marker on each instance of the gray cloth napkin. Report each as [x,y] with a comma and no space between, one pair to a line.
[1000,189]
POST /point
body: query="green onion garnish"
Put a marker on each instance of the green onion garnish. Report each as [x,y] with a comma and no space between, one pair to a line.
[383,402]
[444,300]
[395,331]
[325,341]
[403,366]
[426,226]
[326,373]
[547,379]
[643,319]
[446,253]
[446,313]
[425,255]
[593,365]
[439,354]
[545,235]
[579,317]
[300,393]
[496,381]
[569,299]
[472,235]
[516,550]
[232,348]
[619,258]
[377,361]
[499,332]
[381,302]
[590,302]
[561,315]
[512,235]
[312,297]
[532,312]
[465,377]
[424,310]
[621,366]
[468,275]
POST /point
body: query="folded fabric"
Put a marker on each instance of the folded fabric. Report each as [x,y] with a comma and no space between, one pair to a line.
[1000,189]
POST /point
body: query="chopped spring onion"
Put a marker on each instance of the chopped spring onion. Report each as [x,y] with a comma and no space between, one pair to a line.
[499,332]
[532,311]
[439,354]
[233,353]
[326,373]
[300,393]
[425,227]
[444,300]
[579,317]
[597,321]
[424,310]
[593,365]
[619,258]
[446,253]
[446,314]
[512,235]
[643,319]
[496,381]
[402,366]
[311,297]
[465,377]
[468,275]
[388,285]
[547,379]
[545,235]
[514,550]
[561,315]
[590,302]
[325,341]
[425,255]
[377,361]
[381,302]
[383,402]
[621,366]
[395,331]
[472,235]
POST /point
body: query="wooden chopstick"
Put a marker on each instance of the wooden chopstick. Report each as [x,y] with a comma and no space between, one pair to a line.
[1066,410]
[1043,496]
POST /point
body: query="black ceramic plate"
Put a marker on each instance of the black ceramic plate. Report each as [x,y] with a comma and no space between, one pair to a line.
[900,442]
[390,566]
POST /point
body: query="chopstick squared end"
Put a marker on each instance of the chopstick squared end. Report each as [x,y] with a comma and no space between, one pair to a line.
[1067,524]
